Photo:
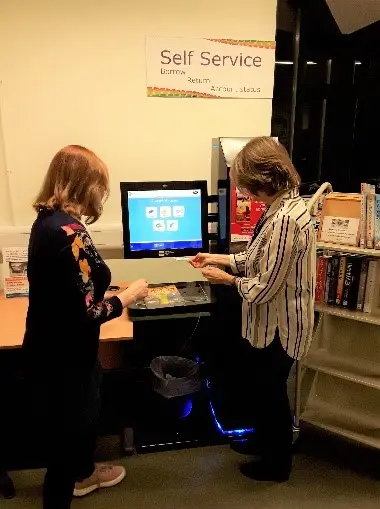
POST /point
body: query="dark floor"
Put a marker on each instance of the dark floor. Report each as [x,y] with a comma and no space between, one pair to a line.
[323,477]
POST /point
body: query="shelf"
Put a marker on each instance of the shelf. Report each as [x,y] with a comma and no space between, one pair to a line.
[358,316]
[347,369]
[348,424]
[348,249]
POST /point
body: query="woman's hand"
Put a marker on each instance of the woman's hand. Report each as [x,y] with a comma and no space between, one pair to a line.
[137,290]
[218,276]
[202,260]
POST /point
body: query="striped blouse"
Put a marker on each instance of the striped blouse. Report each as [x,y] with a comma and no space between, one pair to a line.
[277,277]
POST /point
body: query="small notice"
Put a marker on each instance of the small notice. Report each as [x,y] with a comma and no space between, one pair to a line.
[15,263]
[340,230]
[245,214]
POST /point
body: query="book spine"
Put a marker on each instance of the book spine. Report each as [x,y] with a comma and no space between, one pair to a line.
[362,284]
[370,288]
[321,279]
[333,280]
[327,282]
[370,216]
[347,282]
[377,222]
[341,275]
[355,280]
[363,216]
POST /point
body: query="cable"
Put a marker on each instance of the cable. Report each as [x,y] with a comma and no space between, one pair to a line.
[186,344]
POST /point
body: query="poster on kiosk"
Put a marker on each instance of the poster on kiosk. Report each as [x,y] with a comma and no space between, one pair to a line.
[238,214]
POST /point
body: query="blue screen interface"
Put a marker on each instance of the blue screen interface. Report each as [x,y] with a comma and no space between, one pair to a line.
[165,219]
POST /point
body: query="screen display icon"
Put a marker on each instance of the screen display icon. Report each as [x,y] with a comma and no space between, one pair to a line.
[151,212]
[179,211]
[165,211]
[159,226]
[172,225]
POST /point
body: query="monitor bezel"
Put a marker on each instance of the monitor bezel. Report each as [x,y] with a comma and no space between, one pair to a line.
[125,187]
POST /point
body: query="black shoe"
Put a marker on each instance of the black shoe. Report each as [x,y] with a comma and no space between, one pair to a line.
[7,488]
[246,447]
[260,471]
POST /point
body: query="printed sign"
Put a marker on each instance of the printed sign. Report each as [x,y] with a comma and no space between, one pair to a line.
[210,68]
[15,271]
[245,214]
[340,230]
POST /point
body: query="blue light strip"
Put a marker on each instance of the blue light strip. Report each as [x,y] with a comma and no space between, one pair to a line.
[231,433]
[239,432]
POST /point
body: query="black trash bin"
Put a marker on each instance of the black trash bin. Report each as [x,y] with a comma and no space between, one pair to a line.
[176,380]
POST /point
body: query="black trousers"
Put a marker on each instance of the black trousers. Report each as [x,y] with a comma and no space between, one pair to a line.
[265,373]
[67,404]
[250,388]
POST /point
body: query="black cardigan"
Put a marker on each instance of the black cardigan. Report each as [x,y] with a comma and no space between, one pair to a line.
[67,279]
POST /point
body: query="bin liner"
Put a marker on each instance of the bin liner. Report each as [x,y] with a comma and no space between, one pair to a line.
[175,376]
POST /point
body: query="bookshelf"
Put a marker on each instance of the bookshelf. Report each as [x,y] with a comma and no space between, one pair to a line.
[339,379]
[358,316]
[348,249]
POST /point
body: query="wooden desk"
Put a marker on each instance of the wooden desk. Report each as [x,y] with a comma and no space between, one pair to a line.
[12,324]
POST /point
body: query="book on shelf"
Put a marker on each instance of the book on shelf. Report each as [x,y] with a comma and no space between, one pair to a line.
[351,282]
[333,285]
[377,222]
[348,281]
[370,219]
[321,278]
[328,279]
[370,291]
[340,284]
[362,284]
[363,215]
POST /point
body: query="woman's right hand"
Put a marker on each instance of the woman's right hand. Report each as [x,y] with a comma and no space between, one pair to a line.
[136,291]
[202,260]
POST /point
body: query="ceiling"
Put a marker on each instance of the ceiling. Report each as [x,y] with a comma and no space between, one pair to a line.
[352,15]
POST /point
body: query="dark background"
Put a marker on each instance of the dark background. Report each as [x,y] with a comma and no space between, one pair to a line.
[333,130]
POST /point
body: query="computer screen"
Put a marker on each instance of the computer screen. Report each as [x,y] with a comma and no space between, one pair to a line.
[164,218]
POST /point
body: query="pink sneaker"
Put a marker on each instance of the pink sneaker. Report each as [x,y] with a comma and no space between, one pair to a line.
[104,476]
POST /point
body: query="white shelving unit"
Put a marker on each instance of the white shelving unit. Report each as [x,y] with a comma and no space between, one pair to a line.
[348,249]
[339,380]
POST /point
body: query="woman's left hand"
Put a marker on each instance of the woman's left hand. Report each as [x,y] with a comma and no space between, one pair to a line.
[217,276]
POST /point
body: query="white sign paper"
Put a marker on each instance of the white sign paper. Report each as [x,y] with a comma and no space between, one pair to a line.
[15,263]
[210,68]
[340,230]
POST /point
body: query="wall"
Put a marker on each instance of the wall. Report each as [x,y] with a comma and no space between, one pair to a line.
[74,72]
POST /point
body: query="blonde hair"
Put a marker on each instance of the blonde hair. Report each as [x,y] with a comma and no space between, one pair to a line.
[76,182]
[264,165]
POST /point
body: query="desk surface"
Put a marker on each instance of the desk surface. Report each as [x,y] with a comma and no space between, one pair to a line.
[12,324]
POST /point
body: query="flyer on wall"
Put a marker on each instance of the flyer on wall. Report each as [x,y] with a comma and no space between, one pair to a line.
[245,213]
[15,263]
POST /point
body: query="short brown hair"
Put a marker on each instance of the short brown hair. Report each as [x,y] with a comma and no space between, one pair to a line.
[76,183]
[264,165]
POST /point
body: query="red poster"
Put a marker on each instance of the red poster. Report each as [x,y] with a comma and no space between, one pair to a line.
[245,214]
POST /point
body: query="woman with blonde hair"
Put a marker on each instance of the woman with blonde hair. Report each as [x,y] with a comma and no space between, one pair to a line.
[275,278]
[68,281]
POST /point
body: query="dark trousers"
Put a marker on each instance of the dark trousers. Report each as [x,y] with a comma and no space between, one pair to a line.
[67,402]
[250,388]
[266,372]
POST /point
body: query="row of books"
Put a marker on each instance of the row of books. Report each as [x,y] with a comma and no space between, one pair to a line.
[349,281]
[369,217]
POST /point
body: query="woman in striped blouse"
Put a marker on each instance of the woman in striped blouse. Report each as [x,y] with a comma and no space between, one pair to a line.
[275,278]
